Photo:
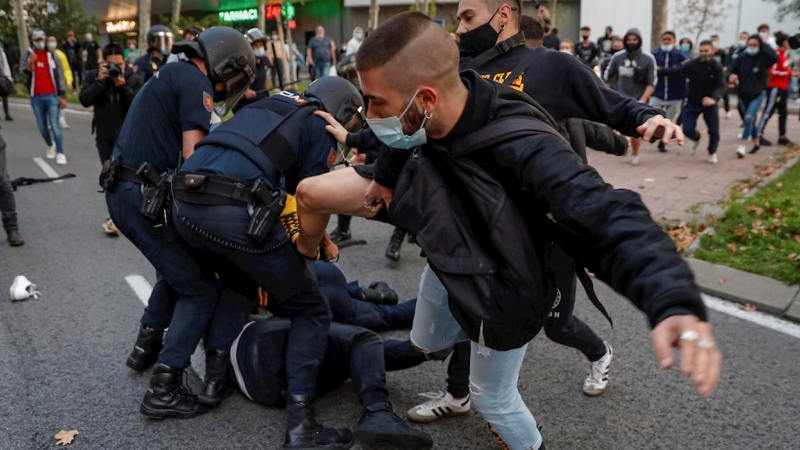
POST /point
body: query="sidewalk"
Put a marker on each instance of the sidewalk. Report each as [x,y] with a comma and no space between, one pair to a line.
[672,183]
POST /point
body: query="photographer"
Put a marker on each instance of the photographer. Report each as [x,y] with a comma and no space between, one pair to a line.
[109,89]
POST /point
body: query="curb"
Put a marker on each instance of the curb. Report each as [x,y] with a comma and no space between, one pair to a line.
[70,106]
[766,294]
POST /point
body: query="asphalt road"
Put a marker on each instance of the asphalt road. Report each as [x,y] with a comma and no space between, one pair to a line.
[62,356]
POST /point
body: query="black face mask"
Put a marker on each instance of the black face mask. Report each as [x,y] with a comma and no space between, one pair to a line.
[479,40]
[633,47]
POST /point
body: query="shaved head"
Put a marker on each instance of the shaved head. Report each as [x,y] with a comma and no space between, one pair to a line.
[410,49]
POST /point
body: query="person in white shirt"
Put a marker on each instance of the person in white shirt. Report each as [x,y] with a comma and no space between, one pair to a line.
[354,43]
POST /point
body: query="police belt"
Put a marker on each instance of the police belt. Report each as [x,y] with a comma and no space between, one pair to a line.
[129,174]
[209,189]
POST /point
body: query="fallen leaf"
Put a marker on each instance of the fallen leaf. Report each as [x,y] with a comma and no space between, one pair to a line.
[732,247]
[681,178]
[704,192]
[794,257]
[650,180]
[722,280]
[778,186]
[743,248]
[65,437]
[755,210]
[797,238]
[712,219]
[749,307]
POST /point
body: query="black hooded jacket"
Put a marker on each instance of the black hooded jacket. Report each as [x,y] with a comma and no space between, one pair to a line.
[608,230]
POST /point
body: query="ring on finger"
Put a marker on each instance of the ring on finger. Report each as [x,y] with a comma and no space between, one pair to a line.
[705,344]
[689,335]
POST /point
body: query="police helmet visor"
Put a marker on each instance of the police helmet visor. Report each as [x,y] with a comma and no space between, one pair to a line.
[163,41]
[235,84]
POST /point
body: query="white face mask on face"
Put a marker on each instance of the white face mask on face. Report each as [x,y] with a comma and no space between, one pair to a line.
[389,130]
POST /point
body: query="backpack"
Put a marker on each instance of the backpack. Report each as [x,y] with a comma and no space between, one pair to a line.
[6,86]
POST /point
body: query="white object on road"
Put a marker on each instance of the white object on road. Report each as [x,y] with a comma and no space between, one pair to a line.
[756,317]
[23,289]
[140,286]
[61,159]
[47,169]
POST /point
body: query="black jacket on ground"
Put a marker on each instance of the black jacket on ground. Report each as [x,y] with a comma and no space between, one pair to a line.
[609,230]
[753,71]
[705,79]
[110,103]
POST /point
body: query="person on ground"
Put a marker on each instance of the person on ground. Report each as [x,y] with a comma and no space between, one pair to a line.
[750,72]
[8,206]
[5,70]
[430,128]
[586,50]
[355,42]
[73,49]
[721,56]
[777,93]
[707,85]
[670,86]
[44,77]
[634,72]
[604,42]
[258,361]
[321,53]
[109,90]
[52,45]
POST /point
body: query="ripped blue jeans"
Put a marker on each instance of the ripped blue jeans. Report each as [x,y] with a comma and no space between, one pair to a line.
[493,374]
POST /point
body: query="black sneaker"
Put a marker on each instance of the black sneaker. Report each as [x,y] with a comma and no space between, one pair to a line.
[395,242]
[783,141]
[755,149]
[380,293]
[9,118]
[380,426]
[662,148]
[766,142]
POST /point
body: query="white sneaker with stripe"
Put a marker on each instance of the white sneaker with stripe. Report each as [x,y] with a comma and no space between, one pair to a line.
[439,404]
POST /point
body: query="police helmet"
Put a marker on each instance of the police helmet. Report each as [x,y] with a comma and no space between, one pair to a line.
[341,99]
[347,70]
[194,30]
[254,35]
[229,60]
[161,38]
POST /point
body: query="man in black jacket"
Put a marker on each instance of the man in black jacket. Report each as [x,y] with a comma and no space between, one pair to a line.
[110,90]
[427,110]
[706,87]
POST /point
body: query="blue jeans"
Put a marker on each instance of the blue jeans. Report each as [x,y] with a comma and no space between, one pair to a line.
[322,68]
[493,374]
[46,108]
[711,115]
[750,108]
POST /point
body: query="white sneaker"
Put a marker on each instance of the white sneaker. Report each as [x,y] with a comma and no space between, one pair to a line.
[739,136]
[64,124]
[695,145]
[713,159]
[728,115]
[635,160]
[597,381]
[61,159]
[23,289]
[740,151]
[441,404]
[51,152]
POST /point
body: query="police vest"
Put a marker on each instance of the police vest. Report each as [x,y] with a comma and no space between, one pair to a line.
[261,132]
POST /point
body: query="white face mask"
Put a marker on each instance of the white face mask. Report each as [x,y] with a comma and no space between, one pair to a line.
[566,50]
[389,130]
[52,45]
[88,37]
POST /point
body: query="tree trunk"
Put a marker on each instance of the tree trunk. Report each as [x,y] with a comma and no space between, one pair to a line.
[374,9]
[262,19]
[144,24]
[22,27]
[659,25]
[426,7]
[176,14]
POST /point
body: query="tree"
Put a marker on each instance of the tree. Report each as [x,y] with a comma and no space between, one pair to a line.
[699,16]
[787,8]
[659,24]
[427,7]
[54,17]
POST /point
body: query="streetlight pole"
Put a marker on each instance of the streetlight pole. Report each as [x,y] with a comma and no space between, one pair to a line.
[144,24]
[738,21]
[22,27]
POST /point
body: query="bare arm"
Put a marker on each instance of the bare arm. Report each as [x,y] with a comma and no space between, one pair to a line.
[648,92]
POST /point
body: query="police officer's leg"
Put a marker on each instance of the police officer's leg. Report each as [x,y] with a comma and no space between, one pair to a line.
[197,293]
[156,318]
[237,294]
[562,327]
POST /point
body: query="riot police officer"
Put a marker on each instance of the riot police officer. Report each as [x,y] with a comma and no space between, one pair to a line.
[229,206]
[165,121]
[258,89]
[159,43]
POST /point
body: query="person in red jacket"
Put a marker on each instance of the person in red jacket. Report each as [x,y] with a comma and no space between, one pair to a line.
[780,74]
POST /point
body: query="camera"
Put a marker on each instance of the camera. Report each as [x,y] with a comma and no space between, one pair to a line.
[114,70]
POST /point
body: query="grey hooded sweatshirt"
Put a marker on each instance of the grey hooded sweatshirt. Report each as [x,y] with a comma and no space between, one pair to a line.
[625,65]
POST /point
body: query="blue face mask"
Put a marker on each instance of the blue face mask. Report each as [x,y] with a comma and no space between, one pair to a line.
[685,48]
[751,51]
[667,47]
[259,52]
[389,130]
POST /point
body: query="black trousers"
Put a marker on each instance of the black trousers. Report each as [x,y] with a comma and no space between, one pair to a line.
[218,234]
[8,206]
[561,326]
[258,358]
[776,101]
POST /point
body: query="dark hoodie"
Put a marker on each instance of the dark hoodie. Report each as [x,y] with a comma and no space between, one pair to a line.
[753,71]
[625,65]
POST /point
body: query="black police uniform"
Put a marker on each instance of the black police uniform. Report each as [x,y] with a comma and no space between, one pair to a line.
[178,99]
[275,143]
[147,65]
[259,84]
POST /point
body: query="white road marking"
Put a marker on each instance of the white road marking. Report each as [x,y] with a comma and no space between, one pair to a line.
[47,169]
[141,287]
[756,317]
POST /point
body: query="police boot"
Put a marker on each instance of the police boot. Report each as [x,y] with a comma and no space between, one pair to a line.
[393,249]
[380,426]
[145,351]
[216,383]
[303,431]
[342,230]
[169,396]
[380,293]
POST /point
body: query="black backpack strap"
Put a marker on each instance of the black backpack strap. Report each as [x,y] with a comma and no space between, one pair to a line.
[494,52]
[501,130]
[588,286]
[520,67]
